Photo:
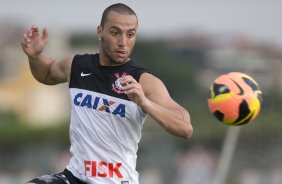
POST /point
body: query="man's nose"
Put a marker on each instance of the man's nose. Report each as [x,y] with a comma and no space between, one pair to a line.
[122,40]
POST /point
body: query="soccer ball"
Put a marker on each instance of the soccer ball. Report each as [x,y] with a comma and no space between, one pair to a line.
[235,98]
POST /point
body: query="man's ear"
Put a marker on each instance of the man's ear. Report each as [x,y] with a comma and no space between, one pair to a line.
[99,32]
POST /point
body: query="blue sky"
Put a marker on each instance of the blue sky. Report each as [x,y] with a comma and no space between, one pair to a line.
[258,18]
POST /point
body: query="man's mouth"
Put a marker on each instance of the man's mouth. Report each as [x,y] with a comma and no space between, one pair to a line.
[121,53]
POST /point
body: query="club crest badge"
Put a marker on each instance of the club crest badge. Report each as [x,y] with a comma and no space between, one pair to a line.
[116,86]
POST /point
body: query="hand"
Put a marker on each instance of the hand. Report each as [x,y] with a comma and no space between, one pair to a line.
[33,43]
[133,90]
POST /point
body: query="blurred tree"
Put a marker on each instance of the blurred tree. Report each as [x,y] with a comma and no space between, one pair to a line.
[159,58]
[83,39]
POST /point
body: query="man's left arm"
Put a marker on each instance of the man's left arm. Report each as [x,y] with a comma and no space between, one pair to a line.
[152,96]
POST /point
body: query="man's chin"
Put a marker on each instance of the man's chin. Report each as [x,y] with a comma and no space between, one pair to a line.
[121,60]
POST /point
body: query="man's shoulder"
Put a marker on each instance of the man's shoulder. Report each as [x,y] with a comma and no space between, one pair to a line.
[85,59]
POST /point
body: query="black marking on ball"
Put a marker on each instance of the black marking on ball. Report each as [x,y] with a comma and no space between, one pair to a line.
[251,83]
[254,87]
[220,89]
[240,88]
[244,111]
[219,115]
[247,120]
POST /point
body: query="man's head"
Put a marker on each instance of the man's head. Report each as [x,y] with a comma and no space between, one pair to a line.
[117,34]
[119,8]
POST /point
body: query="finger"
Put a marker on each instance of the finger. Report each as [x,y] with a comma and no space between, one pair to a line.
[127,79]
[24,44]
[132,88]
[34,31]
[131,91]
[129,86]
[29,33]
[26,40]
[34,28]
[45,34]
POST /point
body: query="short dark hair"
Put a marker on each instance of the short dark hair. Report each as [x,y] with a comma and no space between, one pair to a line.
[119,8]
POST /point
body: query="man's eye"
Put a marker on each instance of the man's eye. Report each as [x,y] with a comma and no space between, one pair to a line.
[131,35]
[114,33]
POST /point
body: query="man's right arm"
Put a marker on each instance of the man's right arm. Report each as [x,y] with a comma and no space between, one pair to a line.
[44,69]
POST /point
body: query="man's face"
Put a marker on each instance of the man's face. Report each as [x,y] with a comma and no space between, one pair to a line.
[118,37]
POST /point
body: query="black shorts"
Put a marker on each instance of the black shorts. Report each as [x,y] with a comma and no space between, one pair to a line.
[65,177]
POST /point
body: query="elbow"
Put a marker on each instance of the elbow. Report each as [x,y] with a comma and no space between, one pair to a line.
[45,82]
[184,132]
[187,132]
[187,129]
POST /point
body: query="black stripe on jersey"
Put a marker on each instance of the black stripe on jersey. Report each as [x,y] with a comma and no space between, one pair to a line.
[88,74]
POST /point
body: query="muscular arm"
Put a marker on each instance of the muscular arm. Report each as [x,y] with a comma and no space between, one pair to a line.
[44,69]
[152,96]
[49,71]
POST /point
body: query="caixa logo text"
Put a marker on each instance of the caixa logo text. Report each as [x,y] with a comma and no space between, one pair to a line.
[100,104]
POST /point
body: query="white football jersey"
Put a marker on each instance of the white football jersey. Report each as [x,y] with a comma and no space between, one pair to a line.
[105,126]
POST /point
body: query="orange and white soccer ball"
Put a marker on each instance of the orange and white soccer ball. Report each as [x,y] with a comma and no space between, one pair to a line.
[235,98]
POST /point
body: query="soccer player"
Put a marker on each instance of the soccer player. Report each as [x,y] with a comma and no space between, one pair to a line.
[111,96]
